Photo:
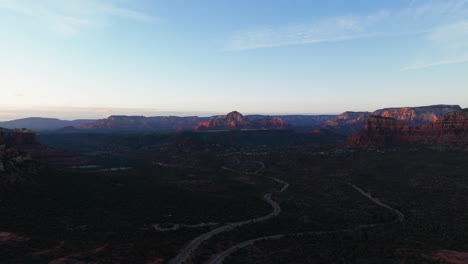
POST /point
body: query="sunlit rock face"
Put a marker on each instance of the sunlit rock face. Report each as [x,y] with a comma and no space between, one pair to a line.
[417,116]
[450,130]
[347,123]
[452,123]
[350,123]
[235,120]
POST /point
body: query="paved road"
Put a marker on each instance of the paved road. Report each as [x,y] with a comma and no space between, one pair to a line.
[219,259]
[184,255]
[262,166]
[174,226]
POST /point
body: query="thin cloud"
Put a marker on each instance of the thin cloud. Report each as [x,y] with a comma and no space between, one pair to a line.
[131,14]
[414,18]
[329,30]
[442,25]
[448,45]
[436,63]
[75,16]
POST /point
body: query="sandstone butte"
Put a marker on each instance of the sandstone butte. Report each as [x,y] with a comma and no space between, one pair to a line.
[235,120]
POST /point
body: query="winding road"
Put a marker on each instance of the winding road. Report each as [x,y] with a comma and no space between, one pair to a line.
[219,259]
[184,255]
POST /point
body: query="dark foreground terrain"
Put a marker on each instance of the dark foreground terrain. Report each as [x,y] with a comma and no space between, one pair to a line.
[234,197]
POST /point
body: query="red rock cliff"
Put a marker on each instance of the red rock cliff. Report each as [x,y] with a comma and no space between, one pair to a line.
[417,116]
[236,120]
[451,129]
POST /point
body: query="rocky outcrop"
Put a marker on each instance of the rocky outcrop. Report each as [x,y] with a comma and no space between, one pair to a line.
[347,123]
[417,116]
[307,122]
[235,120]
[12,159]
[451,130]
[2,136]
[379,131]
[452,123]
[23,137]
[350,123]
[17,137]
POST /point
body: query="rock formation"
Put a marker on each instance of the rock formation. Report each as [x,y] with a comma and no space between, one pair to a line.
[347,123]
[175,123]
[12,159]
[417,116]
[350,123]
[300,122]
[449,131]
[23,137]
[235,120]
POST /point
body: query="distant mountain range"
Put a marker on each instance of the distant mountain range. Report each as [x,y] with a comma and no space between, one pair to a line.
[174,123]
[39,123]
[347,123]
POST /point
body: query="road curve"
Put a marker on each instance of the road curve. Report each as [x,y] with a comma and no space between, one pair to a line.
[187,251]
[262,166]
[218,259]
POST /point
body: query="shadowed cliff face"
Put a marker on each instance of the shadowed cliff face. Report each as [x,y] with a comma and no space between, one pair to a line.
[22,145]
[236,120]
[451,129]
[144,123]
[12,159]
[17,138]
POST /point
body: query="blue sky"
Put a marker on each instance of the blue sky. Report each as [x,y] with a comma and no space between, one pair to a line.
[93,58]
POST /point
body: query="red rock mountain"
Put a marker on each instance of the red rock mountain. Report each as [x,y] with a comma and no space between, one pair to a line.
[417,116]
[175,123]
[451,129]
[236,120]
[350,123]
[347,123]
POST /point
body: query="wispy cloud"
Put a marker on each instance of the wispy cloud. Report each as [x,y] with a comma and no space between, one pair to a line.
[328,30]
[127,13]
[442,24]
[71,17]
[435,63]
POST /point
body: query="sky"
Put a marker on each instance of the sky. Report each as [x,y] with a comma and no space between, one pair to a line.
[94,58]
